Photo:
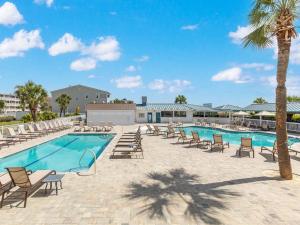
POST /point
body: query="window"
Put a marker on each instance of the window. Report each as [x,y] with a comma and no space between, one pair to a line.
[180,114]
[87,97]
[198,114]
[166,114]
[141,115]
[97,96]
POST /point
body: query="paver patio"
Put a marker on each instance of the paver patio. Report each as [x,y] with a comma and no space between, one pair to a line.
[173,184]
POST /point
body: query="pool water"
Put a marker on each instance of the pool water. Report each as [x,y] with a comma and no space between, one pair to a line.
[61,154]
[234,137]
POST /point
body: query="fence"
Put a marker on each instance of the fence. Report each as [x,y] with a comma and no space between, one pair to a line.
[294,127]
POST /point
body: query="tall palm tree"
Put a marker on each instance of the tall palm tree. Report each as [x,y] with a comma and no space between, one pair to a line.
[259,101]
[181,99]
[63,101]
[32,96]
[273,21]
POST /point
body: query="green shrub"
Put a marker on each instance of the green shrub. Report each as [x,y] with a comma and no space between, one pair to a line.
[47,115]
[7,118]
[26,118]
[296,118]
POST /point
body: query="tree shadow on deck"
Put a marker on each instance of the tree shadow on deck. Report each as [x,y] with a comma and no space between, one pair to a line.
[202,200]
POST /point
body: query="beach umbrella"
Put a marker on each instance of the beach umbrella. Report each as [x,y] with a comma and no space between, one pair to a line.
[264,113]
[241,113]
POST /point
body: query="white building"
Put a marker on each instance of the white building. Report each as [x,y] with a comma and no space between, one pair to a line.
[171,112]
[119,114]
[12,104]
[81,96]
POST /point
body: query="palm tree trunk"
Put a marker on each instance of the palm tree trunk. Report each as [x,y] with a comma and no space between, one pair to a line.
[284,162]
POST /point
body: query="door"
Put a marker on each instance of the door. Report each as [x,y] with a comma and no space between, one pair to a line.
[158,117]
[149,116]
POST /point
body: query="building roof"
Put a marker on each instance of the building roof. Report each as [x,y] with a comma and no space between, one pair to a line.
[293,107]
[80,86]
[174,107]
[228,108]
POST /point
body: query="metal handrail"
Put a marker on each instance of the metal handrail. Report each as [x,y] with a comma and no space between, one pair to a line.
[94,156]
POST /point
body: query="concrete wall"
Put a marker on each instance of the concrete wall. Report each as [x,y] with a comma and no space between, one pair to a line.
[118,117]
[81,96]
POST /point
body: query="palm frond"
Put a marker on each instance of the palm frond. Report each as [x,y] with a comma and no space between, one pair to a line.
[259,37]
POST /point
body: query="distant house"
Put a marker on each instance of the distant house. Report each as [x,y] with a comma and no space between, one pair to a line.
[81,96]
[12,104]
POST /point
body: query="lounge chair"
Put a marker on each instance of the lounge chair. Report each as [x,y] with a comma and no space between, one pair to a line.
[219,143]
[129,149]
[77,129]
[6,141]
[149,129]
[14,136]
[26,183]
[23,132]
[246,145]
[197,140]
[87,129]
[295,149]
[37,128]
[158,131]
[265,127]
[5,186]
[183,137]
[273,150]
[171,132]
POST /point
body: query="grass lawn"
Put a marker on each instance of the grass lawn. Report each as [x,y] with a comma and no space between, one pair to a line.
[11,122]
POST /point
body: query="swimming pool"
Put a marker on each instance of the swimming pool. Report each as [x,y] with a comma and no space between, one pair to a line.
[61,154]
[234,137]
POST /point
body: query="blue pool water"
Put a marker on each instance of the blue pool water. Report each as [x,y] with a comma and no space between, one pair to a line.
[233,137]
[61,154]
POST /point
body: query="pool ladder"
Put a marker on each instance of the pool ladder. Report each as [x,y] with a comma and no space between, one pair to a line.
[94,157]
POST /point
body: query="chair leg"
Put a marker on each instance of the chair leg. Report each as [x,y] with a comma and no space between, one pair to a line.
[2,199]
[25,200]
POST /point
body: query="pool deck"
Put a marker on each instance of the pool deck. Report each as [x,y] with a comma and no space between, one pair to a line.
[173,184]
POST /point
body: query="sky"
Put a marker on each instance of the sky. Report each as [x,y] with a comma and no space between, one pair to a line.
[135,48]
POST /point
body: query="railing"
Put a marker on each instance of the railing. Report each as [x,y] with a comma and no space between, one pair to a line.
[294,127]
[94,157]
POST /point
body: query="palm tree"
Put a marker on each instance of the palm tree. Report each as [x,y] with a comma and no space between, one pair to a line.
[2,105]
[32,96]
[260,101]
[273,20]
[181,99]
[63,101]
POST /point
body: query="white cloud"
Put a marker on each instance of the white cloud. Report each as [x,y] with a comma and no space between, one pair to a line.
[21,42]
[143,58]
[238,35]
[113,13]
[47,2]
[107,49]
[128,82]
[169,85]
[67,43]
[131,68]
[233,74]
[83,64]
[190,27]
[258,66]
[292,83]
[9,14]
[295,51]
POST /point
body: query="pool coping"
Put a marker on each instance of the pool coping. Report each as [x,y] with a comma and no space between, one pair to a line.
[242,131]
[59,135]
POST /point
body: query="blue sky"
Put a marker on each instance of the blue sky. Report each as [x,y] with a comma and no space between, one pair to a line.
[143,47]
